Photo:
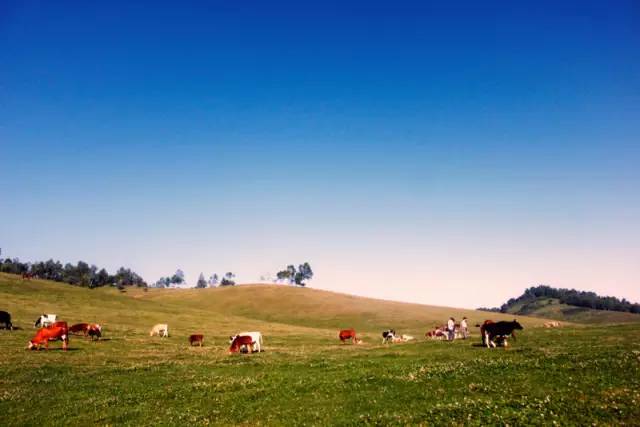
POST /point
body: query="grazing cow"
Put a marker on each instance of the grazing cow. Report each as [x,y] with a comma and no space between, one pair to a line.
[349,334]
[553,324]
[45,320]
[239,341]
[196,339]
[86,329]
[388,336]
[161,330]
[499,329]
[257,339]
[55,332]
[27,276]
[406,338]
[79,328]
[5,318]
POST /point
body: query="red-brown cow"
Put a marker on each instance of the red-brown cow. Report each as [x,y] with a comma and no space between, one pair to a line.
[55,332]
[349,334]
[239,341]
[92,330]
[196,339]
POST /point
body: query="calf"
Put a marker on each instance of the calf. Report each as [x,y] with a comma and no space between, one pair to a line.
[55,332]
[196,339]
[239,341]
[5,318]
[349,334]
[388,336]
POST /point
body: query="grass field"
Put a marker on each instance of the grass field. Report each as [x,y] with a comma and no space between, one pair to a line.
[573,375]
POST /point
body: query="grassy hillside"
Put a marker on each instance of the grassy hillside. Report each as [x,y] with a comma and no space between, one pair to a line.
[318,309]
[552,308]
[585,375]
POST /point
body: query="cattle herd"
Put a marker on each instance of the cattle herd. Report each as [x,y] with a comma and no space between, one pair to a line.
[492,334]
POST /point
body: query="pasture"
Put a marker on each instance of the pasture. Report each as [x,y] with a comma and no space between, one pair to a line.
[572,375]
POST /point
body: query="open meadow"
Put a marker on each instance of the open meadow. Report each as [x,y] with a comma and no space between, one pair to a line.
[572,375]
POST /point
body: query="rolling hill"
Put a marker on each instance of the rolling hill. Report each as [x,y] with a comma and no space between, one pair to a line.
[305,376]
[553,308]
[275,308]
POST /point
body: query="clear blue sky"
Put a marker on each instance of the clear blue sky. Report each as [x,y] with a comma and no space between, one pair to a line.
[451,155]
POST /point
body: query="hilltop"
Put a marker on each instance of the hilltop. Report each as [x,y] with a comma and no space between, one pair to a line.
[570,305]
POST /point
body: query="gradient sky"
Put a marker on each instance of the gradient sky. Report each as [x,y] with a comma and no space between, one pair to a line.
[449,155]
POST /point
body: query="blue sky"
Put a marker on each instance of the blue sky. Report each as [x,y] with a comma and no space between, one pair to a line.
[451,155]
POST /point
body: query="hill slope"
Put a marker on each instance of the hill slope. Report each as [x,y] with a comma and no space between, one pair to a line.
[552,308]
[317,308]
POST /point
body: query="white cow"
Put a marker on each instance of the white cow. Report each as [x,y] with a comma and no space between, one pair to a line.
[45,320]
[161,330]
[406,338]
[255,336]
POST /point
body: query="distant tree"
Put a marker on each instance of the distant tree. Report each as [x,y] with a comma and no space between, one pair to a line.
[303,274]
[202,283]
[213,280]
[178,277]
[227,280]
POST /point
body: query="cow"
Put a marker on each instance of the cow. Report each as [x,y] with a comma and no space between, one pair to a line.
[45,320]
[406,338]
[239,341]
[553,324]
[27,276]
[87,329]
[94,331]
[196,339]
[499,329]
[349,334]
[257,339]
[438,333]
[55,332]
[5,318]
[388,336]
[79,328]
[161,330]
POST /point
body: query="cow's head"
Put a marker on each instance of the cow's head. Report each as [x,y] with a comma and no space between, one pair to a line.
[516,325]
[358,341]
[30,346]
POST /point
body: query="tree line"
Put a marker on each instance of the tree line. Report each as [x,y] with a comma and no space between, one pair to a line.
[81,274]
[570,297]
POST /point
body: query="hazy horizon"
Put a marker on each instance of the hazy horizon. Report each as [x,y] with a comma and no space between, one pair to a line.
[445,155]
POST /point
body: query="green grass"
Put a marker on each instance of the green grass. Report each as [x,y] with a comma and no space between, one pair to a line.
[572,375]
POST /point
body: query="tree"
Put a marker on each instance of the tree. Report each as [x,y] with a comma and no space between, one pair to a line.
[304,273]
[227,280]
[202,283]
[213,280]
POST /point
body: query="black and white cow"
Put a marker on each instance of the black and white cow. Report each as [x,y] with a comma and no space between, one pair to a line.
[388,336]
[45,320]
[500,330]
[5,318]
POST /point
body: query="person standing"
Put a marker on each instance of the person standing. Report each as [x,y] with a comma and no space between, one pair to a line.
[451,328]
[464,328]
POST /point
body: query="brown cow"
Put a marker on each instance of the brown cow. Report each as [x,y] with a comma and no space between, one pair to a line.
[239,341]
[349,334]
[55,332]
[196,339]
[92,330]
